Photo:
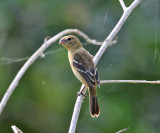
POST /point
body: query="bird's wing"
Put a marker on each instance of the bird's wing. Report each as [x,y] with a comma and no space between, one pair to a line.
[85,66]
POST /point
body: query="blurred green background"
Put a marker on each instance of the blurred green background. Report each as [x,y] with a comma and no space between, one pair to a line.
[44,100]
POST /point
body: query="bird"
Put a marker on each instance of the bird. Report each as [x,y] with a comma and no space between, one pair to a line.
[82,65]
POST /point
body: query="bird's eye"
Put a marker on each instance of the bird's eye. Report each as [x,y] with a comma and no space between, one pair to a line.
[69,39]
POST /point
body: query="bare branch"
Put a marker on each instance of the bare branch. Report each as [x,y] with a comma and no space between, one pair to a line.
[123,4]
[92,41]
[131,81]
[123,130]
[46,44]
[16,129]
[39,53]
[100,52]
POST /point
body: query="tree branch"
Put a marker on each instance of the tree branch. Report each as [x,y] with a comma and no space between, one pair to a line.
[34,57]
[100,52]
[130,81]
[123,130]
[123,5]
[16,129]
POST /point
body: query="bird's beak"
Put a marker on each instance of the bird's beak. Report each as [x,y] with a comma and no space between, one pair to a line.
[62,41]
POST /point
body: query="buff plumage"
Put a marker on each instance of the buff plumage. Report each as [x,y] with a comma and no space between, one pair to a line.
[81,62]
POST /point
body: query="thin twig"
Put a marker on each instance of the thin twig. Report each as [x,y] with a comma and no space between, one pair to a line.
[123,4]
[7,60]
[123,130]
[16,129]
[130,81]
[37,54]
[100,52]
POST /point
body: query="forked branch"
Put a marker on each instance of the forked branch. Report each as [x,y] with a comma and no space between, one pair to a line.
[123,4]
[34,57]
[100,52]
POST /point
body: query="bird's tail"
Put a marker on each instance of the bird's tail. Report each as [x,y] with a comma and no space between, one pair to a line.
[94,107]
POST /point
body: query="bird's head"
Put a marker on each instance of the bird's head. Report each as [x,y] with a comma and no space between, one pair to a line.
[70,42]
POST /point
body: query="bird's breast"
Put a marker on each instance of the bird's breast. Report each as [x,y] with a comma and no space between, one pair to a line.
[76,73]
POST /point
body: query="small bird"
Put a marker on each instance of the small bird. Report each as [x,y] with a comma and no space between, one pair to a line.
[81,62]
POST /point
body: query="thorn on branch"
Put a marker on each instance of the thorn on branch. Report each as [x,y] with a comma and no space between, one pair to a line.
[42,55]
[114,41]
[46,38]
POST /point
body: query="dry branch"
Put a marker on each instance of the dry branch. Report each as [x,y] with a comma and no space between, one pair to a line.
[37,54]
[130,81]
[106,43]
[16,129]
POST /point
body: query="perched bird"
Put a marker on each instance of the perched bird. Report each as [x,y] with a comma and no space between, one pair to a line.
[83,67]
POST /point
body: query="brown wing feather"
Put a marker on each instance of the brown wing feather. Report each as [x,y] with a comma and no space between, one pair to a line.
[85,66]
